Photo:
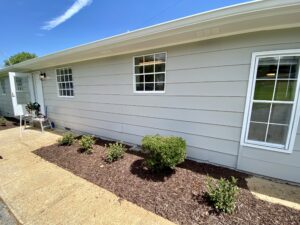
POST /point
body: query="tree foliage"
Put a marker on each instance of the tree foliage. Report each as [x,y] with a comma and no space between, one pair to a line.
[19,57]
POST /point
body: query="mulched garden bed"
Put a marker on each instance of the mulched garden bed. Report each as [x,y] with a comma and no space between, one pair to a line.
[176,195]
[11,123]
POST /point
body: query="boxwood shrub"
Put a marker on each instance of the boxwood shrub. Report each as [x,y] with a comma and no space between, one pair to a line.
[115,152]
[163,152]
[67,139]
[3,121]
[86,142]
[222,194]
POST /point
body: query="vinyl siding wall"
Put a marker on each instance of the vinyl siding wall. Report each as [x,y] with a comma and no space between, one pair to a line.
[6,108]
[204,101]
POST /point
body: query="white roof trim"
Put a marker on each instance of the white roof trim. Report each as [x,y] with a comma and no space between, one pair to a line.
[206,20]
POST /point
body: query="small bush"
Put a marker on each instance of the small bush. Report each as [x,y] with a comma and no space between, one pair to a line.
[3,121]
[115,152]
[86,143]
[223,194]
[163,152]
[67,139]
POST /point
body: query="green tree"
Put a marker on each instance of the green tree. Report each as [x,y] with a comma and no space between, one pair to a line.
[19,57]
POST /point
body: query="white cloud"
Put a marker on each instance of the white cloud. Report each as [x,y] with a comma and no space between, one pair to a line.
[75,8]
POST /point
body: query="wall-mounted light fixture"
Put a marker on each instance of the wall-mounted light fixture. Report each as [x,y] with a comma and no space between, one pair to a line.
[43,76]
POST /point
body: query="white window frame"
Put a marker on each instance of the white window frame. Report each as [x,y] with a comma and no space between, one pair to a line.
[134,75]
[3,87]
[57,83]
[294,121]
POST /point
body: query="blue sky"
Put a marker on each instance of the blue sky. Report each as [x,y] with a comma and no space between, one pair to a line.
[46,26]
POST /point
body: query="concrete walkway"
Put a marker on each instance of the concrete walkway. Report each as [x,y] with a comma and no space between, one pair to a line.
[38,192]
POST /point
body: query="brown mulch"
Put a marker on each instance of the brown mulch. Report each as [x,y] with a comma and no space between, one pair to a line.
[176,195]
[11,123]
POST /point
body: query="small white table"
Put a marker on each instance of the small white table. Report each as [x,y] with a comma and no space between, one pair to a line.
[43,121]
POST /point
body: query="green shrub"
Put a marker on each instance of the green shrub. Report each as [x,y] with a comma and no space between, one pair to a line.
[223,194]
[3,121]
[67,139]
[86,142]
[115,152]
[163,152]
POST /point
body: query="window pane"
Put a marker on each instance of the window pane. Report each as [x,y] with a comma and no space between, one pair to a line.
[257,131]
[71,85]
[281,113]
[149,87]
[72,93]
[64,92]
[60,86]
[159,77]
[149,69]
[70,78]
[285,90]
[277,134]
[67,78]
[139,78]
[58,72]
[160,57]
[70,71]
[288,67]
[138,60]
[58,78]
[264,89]
[67,85]
[66,71]
[140,87]
[62,78]
[60,93]
[63,85]
[159,86]
[260,112]
[139,69]
[160,67]
[149,59]
[267,68]
[149,78]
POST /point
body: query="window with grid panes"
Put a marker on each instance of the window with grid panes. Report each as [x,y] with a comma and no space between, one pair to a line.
[274,99]
[150,73]
[64,79]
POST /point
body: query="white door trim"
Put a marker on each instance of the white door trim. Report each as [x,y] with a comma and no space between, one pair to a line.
[18,108]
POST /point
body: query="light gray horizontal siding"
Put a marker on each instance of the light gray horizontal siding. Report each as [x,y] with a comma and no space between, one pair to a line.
[297,143]
[272,156]
[231,73]
[213,157]
[224,104]
[197,116]
[205,130]
[206,87]
[271,169]
[205,142]
[230,89]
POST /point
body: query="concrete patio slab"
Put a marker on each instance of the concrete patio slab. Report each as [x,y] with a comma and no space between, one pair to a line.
[38,192]
[275,192]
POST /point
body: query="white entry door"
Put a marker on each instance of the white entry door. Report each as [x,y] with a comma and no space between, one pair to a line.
[21,91]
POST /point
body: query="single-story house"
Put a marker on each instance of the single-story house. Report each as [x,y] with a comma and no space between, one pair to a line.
[225,80]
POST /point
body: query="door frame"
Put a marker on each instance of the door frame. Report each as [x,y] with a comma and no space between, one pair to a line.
[38,91]
[19,109]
